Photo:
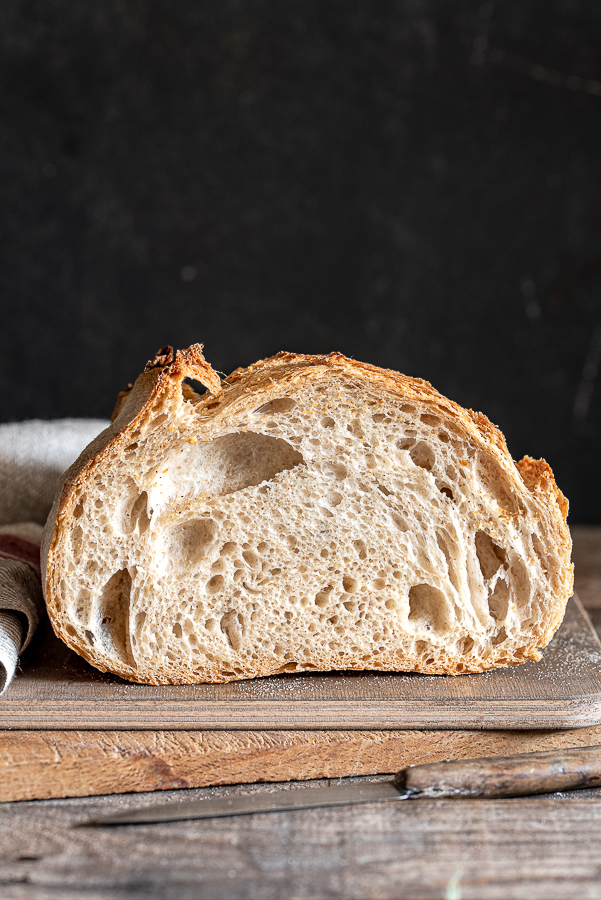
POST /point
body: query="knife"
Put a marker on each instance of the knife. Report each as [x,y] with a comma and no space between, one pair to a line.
[487,777]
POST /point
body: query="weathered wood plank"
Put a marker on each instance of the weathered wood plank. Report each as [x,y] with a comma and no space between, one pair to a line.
[529,849]
[52,764]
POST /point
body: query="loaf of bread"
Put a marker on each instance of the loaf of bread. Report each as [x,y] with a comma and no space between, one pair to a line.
[306,513]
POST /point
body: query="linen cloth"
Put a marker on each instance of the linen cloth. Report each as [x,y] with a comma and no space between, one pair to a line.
[33,456]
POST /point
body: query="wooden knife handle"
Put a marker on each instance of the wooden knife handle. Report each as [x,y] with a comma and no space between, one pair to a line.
[505,776]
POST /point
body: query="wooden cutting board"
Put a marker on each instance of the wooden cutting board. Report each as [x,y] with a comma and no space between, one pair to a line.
[58,690]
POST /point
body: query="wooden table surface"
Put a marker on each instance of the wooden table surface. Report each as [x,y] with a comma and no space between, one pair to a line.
[544,847]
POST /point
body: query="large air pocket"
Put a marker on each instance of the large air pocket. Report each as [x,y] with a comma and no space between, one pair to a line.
[111,619]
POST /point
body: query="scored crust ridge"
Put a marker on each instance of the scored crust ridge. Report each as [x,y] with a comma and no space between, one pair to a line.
[305,513]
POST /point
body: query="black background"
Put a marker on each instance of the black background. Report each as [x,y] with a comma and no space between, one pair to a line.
[416,184]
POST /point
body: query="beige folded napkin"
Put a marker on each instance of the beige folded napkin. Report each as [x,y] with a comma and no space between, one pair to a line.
[21,600]
[33,456]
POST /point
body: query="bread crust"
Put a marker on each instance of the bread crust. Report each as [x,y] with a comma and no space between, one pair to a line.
[268,379]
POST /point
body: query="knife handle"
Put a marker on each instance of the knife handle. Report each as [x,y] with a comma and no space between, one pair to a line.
[505,776]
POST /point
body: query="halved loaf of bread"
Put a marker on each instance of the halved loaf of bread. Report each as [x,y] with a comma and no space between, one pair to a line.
[309,512]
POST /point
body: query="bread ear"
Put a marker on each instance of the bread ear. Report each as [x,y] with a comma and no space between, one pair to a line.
[538,477]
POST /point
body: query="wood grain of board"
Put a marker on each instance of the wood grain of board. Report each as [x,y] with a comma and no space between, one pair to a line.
[58,690]
[50,764]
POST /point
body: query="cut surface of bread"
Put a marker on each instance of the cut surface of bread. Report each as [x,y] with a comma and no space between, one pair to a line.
[307,513]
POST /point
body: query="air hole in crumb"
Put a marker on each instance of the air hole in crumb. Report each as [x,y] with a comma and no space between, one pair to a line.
[406,443]
[137,519]
[190,543]
[361,549]
[355,428]
[428,608]
[273,407]
[231,626]
[423,456]
[327,422]
[445,489]
[451,473]
[156,422]
[334,498]
[215,584]
[323,596]
[398,521]
[192,390]
[443,542]
[251,559]
[490,556]
[335,470]
[428,419]
[76,537]
[444,437]
[112,616]
[410,410]
[177,630]
[89,637]
[500,637]
[70,630]
[234,462]
[498,602]
[496,482]
[289,667]
[466,645]
[228,548]
[384,490]
[324,553]
[263,547]
[349,584]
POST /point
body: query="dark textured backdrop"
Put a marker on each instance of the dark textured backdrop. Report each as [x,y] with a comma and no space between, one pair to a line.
[415,183]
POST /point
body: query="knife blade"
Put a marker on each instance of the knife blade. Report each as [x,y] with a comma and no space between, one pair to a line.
[487,777]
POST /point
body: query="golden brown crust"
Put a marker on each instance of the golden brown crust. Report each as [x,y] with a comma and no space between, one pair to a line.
[240,391]
[121,398]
